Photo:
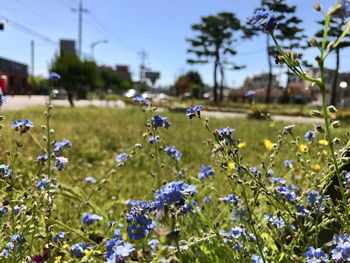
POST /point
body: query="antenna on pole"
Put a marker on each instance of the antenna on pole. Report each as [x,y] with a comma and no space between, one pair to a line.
[80,11]
[143,56]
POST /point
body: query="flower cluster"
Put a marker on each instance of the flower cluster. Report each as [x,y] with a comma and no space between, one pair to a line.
[194,111]
[173,152]
[264,18]
[141,100]
[22,125]
[205,172]
[158,121]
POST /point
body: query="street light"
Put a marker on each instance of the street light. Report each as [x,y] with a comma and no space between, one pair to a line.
[94,44]
[343,85]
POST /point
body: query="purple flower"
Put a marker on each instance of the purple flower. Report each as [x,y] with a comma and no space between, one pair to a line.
[231,198]
[313,255]
[256,259]
[5,172]
[313,197]
[89,219]
[58,237]
[193,111]
[41,185]
[264,18]
[121,158]
[158,121]
[153,139]
[285,192]
[42,158]
[118,250]
[60,162]
[90,179]
[288,163]
[173,193]
[173,152]
[22,125]
[54,76]
[141,100]
[153,243]
[279,180]
[2,99]
[302,210]
[288,129]
[275,221]
[249,93]
[205,172]
[3,210]
[224,134]
[78,249]
[310,136]
[58,147]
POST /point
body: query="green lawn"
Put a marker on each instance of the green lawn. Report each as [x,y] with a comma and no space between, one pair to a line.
[99,135]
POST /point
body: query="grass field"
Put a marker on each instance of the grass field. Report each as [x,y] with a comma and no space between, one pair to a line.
[99,135]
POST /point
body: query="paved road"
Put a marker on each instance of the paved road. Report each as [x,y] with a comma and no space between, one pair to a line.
[20,102]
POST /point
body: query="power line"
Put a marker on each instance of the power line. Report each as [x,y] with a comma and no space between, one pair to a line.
[65,4]
[29,30]
[37,14]
[107,30]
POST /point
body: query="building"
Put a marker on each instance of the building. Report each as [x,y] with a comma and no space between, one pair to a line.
[123,70]
[14,77]
[260,83]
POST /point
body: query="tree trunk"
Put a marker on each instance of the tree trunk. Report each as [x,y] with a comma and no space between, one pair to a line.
[269,84]
[335,79]
[70,99]
[222,73]
[215,88]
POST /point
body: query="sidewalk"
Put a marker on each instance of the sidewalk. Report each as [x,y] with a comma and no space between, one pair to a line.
[21,102]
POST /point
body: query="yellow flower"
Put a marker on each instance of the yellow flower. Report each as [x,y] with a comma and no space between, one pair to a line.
[88,252]
[268,144]
[125,236]
[316,167]
[65,246]
[325,152]
[58,259]
[323,142]
[231,166]
[241,145]
[303,148]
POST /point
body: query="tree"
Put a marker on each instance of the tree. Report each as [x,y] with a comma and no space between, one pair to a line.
[77,77]
[215,36]
[109,79]
[336,25]
[287,33]
[189,82]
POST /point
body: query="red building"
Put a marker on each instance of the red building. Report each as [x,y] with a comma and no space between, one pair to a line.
[13,77]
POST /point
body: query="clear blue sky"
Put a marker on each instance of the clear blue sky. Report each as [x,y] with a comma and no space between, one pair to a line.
[160,27]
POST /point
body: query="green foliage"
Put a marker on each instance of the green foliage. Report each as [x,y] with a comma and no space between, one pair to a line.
[77,77]
[112,80]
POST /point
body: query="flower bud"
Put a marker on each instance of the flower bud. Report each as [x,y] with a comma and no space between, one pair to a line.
[335,124]
[319,129]
[313,42]
[315,113]
[332,109]
[318,7]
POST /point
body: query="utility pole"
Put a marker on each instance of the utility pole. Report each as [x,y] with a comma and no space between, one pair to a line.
[32,57]
[80,11]
[143,56]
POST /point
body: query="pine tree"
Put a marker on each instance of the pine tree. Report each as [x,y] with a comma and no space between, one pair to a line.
[214,40]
